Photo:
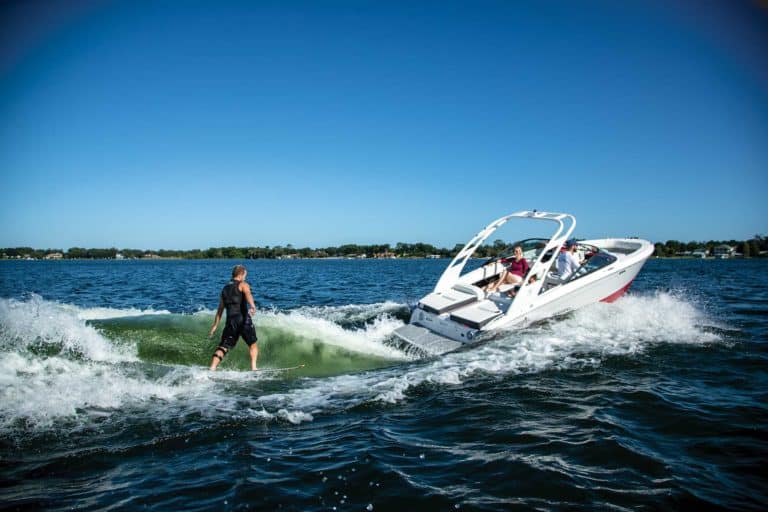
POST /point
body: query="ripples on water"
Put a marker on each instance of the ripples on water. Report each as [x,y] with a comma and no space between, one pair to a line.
[655,401]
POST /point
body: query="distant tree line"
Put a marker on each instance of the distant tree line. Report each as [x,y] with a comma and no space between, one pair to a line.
[751,248]
[748,248]
[400,250]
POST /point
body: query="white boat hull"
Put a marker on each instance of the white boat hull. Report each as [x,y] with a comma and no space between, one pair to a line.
[605,289]
[457,312]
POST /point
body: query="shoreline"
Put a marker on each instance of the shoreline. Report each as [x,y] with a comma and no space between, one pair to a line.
[341,258]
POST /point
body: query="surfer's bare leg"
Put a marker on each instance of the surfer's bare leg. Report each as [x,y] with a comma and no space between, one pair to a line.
[253,350]
[218,356]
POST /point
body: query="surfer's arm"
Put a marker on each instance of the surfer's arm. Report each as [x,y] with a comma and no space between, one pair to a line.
[218,317]
[249,297]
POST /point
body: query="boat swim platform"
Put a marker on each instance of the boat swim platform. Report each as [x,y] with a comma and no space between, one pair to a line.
[426,340]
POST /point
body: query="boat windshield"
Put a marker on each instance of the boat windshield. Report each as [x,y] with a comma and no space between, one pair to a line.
[594,259]
[532,248]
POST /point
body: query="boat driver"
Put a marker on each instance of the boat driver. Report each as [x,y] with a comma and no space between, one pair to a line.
[567,261]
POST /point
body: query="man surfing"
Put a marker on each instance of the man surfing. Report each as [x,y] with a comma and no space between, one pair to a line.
[236,297]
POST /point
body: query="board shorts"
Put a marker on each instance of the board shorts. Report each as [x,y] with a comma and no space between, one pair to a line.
[237,327]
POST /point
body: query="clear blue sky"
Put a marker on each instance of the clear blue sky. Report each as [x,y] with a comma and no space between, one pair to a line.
[194,124]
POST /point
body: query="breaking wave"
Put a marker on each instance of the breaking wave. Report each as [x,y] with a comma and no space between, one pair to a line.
[68,367]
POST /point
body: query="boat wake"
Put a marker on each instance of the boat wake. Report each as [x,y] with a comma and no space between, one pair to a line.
[65,368]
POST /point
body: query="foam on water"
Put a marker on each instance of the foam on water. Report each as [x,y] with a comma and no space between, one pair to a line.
[322,324]
[350,312]
[86,375]
[366,340]
[102,379]
[45,391]
[623,328]
[98,313]
[38,323]
[55,365]
[636,322]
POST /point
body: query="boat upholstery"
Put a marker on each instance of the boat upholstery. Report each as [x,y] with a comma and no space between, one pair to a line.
[477,315]
[443,302]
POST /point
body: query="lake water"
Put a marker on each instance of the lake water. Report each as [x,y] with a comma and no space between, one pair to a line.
[656,401]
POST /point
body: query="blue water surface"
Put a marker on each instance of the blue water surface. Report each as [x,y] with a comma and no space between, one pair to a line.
[657,401]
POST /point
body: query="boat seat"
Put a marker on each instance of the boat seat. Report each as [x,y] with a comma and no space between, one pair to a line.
[458,296]
[470,289]
[477,315]
[550,281]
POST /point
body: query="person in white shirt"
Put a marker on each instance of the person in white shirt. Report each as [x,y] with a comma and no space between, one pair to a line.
[567,262]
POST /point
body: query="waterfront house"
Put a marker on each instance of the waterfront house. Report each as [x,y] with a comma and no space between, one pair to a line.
[701,252]
[724,251]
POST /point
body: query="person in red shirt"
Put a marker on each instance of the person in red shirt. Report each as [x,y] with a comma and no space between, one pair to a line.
[514,272]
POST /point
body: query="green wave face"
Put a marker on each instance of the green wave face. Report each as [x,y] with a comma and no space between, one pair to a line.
[183,340]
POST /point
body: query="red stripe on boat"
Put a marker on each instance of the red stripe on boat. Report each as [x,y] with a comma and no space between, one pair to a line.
[615,295]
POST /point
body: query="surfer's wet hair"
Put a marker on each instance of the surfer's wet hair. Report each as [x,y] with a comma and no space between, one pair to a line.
[238,270]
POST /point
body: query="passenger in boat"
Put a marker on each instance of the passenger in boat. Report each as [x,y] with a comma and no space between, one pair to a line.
[514,273]
[567,261]
[237,299]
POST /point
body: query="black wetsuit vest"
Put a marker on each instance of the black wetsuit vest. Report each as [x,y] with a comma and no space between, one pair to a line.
[233,299]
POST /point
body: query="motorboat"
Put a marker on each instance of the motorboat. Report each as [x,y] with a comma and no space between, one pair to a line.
[459,310]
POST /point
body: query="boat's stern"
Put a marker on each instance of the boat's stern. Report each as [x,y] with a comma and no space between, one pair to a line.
[435,333]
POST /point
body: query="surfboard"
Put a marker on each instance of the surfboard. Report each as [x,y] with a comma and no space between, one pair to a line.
[284,369]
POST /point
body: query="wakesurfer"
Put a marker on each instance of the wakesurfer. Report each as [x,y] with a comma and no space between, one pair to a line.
[236,298]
